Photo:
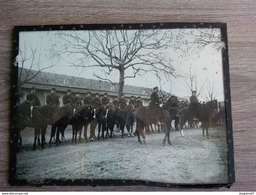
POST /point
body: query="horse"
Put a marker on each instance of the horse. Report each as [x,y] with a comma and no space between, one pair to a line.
[120,120]
[145,116]
[48,115]
[206,112]
[203,112]
[24,118]
[106,117]
[82,115]
[129,118]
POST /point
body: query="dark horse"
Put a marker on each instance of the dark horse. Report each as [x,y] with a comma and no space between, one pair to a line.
[82,116]
[129,118]
[145,116]
[24,118]
[203,112]
[48,115]
[120,120]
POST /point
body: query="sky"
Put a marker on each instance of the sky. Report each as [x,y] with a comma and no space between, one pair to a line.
[205,63]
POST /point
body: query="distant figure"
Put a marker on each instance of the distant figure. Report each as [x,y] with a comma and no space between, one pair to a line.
[77,100]
[105,100]
[116,102]
[96,101]
[132,100]
[32,97]
[193,98]
[138,102]
[155,100]
[122,102]
[52,99]
[68,98]
[88,99]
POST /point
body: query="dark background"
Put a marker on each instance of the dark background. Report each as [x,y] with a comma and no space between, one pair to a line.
[240,17]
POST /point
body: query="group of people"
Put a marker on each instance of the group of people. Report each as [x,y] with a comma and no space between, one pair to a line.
[69,98]
[134,102]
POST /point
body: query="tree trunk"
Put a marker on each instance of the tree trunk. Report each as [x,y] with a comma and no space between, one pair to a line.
[121,82]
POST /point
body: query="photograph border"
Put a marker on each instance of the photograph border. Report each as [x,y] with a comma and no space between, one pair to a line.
[14,100]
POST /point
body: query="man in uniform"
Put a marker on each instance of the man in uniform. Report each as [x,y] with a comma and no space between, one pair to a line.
[88,99]
[155,100]
[52,99]
[122,102]
[95,103]
[193,98]
[32,97]
[138,102]
[193,106]
[77,100]
[116,102]
[132,100]
[105,100]
[68,98]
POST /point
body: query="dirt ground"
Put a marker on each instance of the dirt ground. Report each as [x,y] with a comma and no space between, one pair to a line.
[190,159]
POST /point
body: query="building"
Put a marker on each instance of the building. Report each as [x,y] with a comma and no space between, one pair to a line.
[44,82]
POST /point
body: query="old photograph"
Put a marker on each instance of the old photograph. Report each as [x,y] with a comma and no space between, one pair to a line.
[124,102]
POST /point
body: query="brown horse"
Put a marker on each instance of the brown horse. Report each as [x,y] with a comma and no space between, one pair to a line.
[146,116]
[24,118]
[203,112]
[48,115]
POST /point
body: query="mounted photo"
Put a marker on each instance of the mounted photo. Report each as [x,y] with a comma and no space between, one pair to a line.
[121,104]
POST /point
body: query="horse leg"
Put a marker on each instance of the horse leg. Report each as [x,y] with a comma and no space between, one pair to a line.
[43,131]
[143,135]
[92,130]
[132,130]
[53,131]
[85,131]
[35,137]
[73,132]
[181,126]
[99,127]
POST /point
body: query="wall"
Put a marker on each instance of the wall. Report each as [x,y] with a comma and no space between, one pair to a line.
[241,21]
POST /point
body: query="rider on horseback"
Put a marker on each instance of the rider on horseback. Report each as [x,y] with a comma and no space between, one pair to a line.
[155,101]
[32,97]
[193,102]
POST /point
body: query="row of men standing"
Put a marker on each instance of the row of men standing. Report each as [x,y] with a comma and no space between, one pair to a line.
[53,99]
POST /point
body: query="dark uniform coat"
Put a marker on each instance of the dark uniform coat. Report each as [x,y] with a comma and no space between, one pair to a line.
[52,100]
[138,103]
[96,102]
[88,100]
[105,100]
[122,103]
[154,98]
[33,98]
[68,99]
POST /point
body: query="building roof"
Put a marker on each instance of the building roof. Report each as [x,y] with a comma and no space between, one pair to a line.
[46,80]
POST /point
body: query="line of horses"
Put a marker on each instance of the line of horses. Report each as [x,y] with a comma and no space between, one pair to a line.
[106,117]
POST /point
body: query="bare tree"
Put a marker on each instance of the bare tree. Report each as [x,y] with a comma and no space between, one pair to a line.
[29,62]
[123,52]
[193,84]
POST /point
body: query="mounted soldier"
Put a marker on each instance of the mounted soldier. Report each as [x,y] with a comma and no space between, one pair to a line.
[138,102]
[116,102]
[68,98]
[32,97]
[96,102]
[122,102]
[52,99]
[155,100]
[105,100]
[88,99]
[77,101]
